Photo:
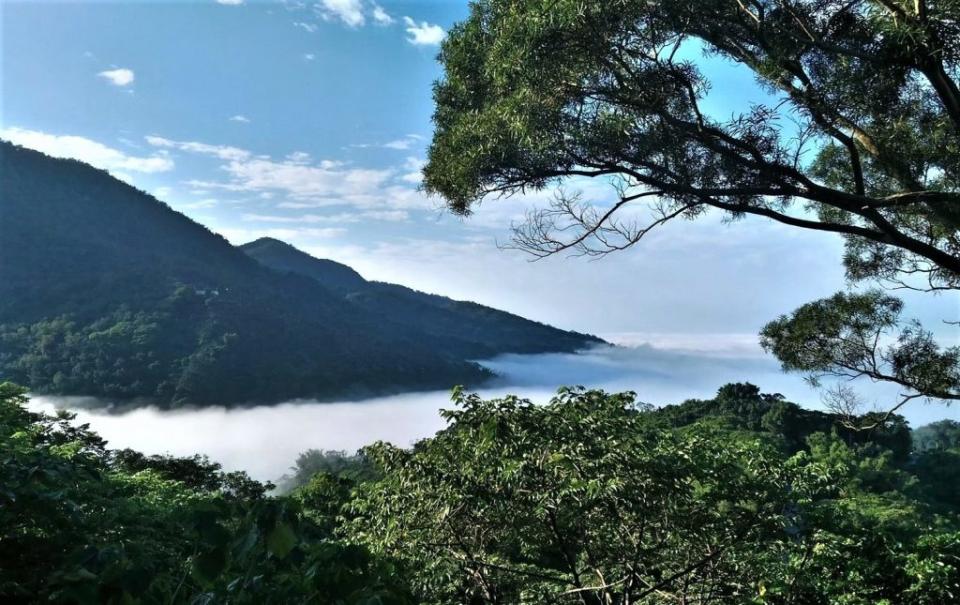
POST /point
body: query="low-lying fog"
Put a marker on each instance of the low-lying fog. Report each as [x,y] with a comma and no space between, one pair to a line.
[264,441]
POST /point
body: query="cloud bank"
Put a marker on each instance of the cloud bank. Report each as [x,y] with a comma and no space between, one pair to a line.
[265,441]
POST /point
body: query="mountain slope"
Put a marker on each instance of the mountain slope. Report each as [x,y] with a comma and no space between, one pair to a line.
[470,329]
[106,291]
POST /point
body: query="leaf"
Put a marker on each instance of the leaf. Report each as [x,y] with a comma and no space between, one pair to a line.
[281,540]
[208,565]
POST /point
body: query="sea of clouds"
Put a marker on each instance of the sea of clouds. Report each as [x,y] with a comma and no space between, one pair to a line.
[265,440]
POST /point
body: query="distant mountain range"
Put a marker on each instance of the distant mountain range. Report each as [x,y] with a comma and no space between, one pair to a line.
[106,291]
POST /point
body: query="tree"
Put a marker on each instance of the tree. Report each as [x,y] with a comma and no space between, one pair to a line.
[82,524]
[861,137]
[335,463]
[577,501]
[591,499]
[937,436]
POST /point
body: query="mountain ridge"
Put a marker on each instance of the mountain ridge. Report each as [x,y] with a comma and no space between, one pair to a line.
[107,291]
[483,331]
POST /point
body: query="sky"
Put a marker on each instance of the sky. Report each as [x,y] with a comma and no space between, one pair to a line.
[309,121]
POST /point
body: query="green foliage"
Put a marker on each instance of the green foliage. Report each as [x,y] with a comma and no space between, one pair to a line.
[743,407]
[840,336]
[589,499]
[339,464]
[859,136]
[941,435]
[535,91]
[79,524]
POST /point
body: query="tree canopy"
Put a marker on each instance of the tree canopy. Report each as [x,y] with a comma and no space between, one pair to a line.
[592,498]
[860,136]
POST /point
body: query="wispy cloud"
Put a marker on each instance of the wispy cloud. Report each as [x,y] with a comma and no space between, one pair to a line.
[118,77]
[387,215]
[230,2]
[87,150]
[414,167]
[240,118]
[324,180]
[380,16]
[307,27]
[339,217]
[200,204]
[224,152]
[355,14]
[309,56]
[423,33]
[402,144]
[302,236]
[405,143]
[301,158]
[297,176]
[350,12]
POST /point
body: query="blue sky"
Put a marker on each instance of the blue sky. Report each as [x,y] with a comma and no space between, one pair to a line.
[309,122]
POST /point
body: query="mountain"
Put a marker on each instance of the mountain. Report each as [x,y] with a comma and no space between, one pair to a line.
[470,330]
[283,257]
[106,291]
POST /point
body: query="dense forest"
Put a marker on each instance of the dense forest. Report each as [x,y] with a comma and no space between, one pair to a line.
[593,498]
[106,291]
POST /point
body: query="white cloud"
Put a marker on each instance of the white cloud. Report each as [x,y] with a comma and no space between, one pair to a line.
[199,204]
[301,236]
[340,217]
[224,152]
[380,16]
[349,12]
[323,181]
[410,198]
[307,27]
[405,143]
[87,150]
[306,218]
[118,77]
[298,176]
[230,2]
[423,33]
[309,56]
[387,215]
[240,118]
[402,144]
[414,167]
[301,158]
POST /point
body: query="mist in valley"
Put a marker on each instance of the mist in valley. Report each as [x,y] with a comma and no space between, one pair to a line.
[265,440]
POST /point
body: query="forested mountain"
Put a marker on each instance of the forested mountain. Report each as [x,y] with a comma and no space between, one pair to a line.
[106,291]
[471,329]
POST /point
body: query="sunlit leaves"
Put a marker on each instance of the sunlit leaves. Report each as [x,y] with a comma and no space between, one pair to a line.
[853,335]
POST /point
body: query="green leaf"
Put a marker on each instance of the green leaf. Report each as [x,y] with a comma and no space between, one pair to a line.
[206,566]
[281,540]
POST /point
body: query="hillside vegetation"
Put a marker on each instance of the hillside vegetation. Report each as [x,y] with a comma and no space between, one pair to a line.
[106,291]
[590,499]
